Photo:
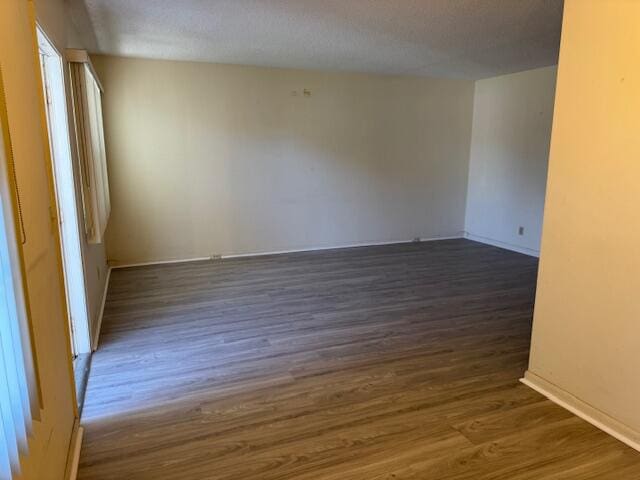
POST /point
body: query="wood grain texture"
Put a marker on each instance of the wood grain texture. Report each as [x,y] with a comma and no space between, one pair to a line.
[377,363]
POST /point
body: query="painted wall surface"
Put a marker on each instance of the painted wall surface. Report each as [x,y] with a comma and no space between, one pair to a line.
[49,442]
[209,159]
[512,119]
[586,331]
[53,18]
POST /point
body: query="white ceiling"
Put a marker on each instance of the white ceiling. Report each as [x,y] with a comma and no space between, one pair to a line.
[453,38]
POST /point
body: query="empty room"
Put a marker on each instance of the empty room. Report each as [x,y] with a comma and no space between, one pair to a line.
[319,240]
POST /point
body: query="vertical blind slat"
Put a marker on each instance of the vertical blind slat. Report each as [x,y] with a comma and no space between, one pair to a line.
[10,341]
[5,456]
[9,426]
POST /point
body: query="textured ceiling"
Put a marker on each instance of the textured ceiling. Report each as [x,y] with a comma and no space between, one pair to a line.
[453,38]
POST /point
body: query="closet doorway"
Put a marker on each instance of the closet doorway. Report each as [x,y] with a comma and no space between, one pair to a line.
[67,216]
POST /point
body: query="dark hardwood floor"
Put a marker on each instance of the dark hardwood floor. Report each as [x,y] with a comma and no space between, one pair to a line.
[394,362]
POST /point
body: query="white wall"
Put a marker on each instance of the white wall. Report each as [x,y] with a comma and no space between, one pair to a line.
[586,329]
[211,159]
[512,119]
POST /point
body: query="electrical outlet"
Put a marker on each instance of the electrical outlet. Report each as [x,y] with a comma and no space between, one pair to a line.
[520,230]
[417,240]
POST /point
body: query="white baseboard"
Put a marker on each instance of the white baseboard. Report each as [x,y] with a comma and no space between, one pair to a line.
[73,458]
[282,252]
[161,262]
[500,244]
[337,247]
[595,417]
[96,334]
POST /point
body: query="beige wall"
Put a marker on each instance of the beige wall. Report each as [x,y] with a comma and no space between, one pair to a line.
[209,159]
[512,118]
[54,19]
[50,440]
[586,332]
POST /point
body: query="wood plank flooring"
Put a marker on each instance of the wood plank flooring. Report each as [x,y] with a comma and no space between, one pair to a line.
[396,362]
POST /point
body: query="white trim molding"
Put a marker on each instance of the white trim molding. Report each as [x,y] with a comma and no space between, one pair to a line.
[96,334]
[595,417]
[73,458]
[162,262]
[282,252]
[76,55]
[500,244]
[338,247]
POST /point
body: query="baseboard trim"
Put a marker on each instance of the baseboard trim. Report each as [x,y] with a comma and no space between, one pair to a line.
[283,252]
[500,244]
[73,459]
[595,417]
[96,334]
[161,262]
[338,247]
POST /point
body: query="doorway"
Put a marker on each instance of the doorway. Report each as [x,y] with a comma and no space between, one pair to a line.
[51,63]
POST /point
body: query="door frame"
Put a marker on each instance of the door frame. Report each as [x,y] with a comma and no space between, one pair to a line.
[53,80]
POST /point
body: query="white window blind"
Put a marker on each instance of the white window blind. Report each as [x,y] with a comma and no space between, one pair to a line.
[19,398]
[87,102]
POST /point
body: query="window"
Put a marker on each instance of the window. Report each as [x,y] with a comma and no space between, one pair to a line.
[87,103]
[19,398]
